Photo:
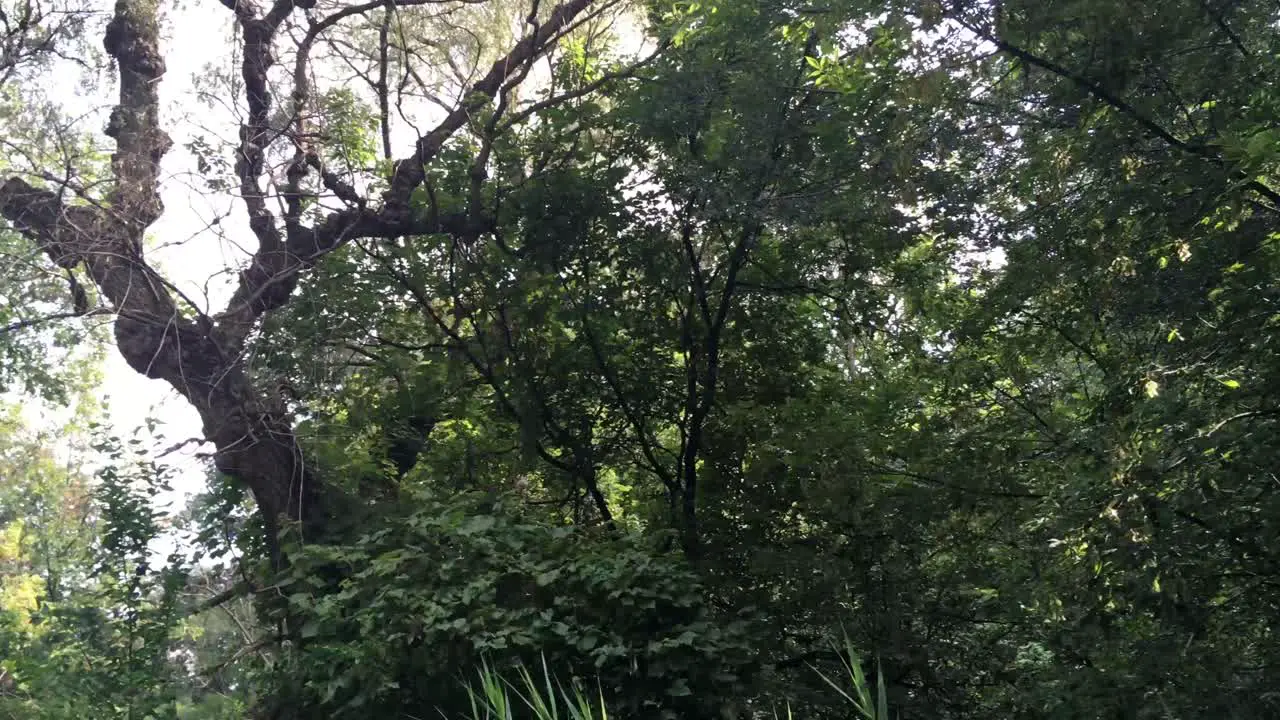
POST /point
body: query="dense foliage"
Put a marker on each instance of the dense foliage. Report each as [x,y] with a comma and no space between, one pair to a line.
[693,337]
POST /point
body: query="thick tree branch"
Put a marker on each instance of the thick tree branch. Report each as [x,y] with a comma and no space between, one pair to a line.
[269,281]
[255,133]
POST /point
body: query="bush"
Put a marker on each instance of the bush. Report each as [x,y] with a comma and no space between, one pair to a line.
[467,580]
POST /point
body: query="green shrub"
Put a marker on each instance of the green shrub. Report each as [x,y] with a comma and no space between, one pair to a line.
[389,624]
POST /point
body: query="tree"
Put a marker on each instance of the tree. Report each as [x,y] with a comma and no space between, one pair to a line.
[200,354]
